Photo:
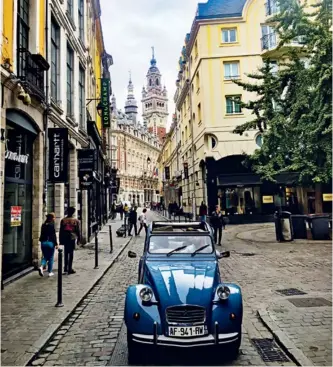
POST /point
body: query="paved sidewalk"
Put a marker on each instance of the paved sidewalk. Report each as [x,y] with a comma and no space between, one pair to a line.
[28,313]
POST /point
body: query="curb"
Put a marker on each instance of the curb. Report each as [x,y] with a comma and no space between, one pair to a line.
[295,354]
[39,345]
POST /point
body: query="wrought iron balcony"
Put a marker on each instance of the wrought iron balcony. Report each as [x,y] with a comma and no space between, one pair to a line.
[31,68]
[272,7]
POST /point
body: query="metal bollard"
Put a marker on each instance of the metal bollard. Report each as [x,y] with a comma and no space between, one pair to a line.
[96,250]
[59,300]
[111,240]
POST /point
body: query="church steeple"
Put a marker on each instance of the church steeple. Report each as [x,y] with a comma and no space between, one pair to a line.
[131,106]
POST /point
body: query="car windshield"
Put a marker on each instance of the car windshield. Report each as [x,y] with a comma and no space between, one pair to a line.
[189,244]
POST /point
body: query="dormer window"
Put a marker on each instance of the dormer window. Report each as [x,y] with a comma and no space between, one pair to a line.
[157,82]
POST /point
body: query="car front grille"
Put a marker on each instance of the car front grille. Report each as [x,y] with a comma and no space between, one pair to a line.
[186,314]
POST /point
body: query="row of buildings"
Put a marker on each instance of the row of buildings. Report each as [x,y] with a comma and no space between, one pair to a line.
[53,126]
[201,159]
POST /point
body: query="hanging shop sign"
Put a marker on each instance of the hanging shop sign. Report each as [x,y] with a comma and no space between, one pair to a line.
[58,155]
[15,216]
[186,171]
[105,101]
[327,197]
[86,158]
[167,173]
[267,199]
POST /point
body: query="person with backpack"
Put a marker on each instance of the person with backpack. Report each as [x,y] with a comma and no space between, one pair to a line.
[143,221]
[69,234]
[217,222]
[133,218]
[48,240]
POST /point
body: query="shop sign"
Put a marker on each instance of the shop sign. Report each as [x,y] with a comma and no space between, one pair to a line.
[86,158]
[15,216]
[13,156]
[268,200]
[105,101]
[58,155]
[327,197]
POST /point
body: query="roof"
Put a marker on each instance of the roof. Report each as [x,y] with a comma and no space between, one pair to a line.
[220,9]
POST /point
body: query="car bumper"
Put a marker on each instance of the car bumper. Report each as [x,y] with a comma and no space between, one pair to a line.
[207,340]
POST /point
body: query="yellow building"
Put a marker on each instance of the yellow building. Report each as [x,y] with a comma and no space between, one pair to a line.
[225,44]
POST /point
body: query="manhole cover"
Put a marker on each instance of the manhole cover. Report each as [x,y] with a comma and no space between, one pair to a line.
[269,350]
[291,292]
[248,254]
[310,302]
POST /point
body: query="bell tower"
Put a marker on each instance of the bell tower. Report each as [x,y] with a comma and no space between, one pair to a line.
[155,101]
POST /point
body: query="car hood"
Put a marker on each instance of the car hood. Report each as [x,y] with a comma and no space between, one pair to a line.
[190,282]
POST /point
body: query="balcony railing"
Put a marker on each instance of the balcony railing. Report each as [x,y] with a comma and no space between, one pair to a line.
[272,7]
[31,70]
[269,41]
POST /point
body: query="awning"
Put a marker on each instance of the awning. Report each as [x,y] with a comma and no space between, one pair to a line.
[250,179]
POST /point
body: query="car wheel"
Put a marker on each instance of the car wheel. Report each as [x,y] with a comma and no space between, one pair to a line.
[133,352]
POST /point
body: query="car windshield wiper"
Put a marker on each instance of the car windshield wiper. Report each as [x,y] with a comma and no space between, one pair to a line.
[177,249]
[199,249]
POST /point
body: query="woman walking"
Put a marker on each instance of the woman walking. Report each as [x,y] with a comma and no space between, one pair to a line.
[48,240]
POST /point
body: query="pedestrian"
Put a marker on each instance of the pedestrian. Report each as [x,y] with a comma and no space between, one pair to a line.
[121,211]
[143,221]
[69,234]
[217,223]
[133,218]
[203,212]
[114,210]
[48,240]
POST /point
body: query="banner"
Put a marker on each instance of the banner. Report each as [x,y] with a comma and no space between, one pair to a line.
[105,101]
[86,158]
[58,155]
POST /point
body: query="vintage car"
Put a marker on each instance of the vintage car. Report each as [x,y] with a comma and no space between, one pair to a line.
[180,300]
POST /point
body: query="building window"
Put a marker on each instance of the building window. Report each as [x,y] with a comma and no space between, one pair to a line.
[70,75]
[55,57]
[22,35]
[233,104]
[259,140]
[70,7]
[199,112]
[81,19]
[213,140]
[196,49]
[269,39]
[82,97]
[274,67]
[229,35]
[197,78]
[231,70]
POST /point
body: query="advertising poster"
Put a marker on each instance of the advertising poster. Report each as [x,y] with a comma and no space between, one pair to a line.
[15,216]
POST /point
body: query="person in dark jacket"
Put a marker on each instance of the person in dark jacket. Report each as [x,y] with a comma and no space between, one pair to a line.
[203,212]
[133,218]
[48,240]
[69,233]
[121,211]
[217,223]
[114,210]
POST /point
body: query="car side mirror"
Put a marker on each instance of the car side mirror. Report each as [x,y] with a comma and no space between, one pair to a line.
[132,254]
[224,254]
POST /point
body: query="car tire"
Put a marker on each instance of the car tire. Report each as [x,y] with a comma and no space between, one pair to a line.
[134,356]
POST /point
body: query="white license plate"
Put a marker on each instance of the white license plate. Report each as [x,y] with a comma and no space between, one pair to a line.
[186,331]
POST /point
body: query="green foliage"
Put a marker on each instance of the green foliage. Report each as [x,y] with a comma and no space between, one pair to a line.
[297,126]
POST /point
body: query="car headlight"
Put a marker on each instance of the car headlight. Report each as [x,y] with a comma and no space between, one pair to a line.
[146,294]
[223,292]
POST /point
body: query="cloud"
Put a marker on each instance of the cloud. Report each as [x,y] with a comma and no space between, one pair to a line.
[131,28]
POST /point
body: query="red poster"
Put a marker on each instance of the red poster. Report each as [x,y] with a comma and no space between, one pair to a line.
[15,216]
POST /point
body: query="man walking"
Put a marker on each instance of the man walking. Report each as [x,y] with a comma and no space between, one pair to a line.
[69,234]
[217,223]
[203,212]
[143,221]
[133,218]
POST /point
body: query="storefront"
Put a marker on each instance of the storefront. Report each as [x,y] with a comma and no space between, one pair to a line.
[17,230]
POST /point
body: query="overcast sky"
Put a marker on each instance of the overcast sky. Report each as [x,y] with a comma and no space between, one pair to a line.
[131,28]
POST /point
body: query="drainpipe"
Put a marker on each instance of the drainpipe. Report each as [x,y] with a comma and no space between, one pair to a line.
[46,112]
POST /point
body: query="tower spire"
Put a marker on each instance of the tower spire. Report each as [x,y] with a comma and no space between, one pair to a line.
[153,60]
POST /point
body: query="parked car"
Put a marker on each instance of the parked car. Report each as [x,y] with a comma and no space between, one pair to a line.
[180,299]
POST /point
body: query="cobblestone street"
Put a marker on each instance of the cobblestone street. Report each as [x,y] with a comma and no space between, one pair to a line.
[95,334]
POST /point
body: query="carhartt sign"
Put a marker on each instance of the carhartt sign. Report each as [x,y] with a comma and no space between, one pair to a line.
[58,155]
